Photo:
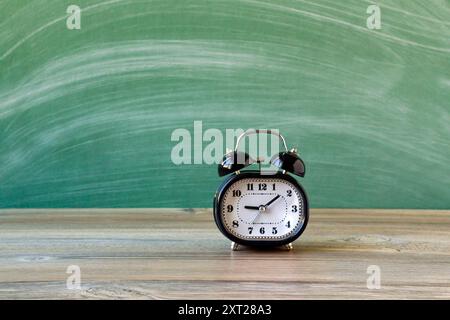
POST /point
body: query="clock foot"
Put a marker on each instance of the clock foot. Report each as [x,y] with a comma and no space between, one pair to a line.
[234,246]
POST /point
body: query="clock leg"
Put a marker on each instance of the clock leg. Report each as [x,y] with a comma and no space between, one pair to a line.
[234,246]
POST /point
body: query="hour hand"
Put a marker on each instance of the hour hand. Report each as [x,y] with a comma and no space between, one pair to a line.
[251,207]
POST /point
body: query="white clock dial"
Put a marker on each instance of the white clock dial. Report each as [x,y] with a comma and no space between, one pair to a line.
[262,209]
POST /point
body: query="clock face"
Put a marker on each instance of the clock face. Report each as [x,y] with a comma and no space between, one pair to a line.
[262,209]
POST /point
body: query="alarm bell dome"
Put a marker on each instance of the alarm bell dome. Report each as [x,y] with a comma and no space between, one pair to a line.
[234,161]
[289,161]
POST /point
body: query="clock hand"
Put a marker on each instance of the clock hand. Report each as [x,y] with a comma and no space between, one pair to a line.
[254,219]
[272,201]
[266,205]
[262,208]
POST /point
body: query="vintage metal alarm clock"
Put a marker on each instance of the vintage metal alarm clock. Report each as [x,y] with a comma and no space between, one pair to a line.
[254,208]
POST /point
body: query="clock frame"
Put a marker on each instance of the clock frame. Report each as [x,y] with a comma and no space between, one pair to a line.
[256,174]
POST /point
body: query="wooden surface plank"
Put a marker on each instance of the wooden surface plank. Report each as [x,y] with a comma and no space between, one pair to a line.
[174,253]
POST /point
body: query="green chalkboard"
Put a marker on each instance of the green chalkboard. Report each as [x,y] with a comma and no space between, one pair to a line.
[86,115]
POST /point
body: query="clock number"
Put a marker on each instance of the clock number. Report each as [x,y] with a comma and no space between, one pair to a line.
[288,224]
[235,223]
[250,186]
[262,230]
[229,208]
[274,230]
[294,208]
[250,230]
[289,193]
[262,186]
[237,193]
[273,187]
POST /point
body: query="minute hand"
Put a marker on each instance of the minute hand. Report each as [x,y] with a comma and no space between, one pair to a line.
[272,201]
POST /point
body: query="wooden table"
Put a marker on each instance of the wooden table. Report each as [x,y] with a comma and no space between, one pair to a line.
[174,253]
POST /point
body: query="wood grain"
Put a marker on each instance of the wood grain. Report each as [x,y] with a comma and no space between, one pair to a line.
[174,253]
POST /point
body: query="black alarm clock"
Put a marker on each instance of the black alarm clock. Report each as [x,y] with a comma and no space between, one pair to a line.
[253,208]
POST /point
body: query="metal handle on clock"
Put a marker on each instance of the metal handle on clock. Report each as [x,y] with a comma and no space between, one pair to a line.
[258,131]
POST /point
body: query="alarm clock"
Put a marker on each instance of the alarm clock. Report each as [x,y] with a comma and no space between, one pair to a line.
[254,208]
